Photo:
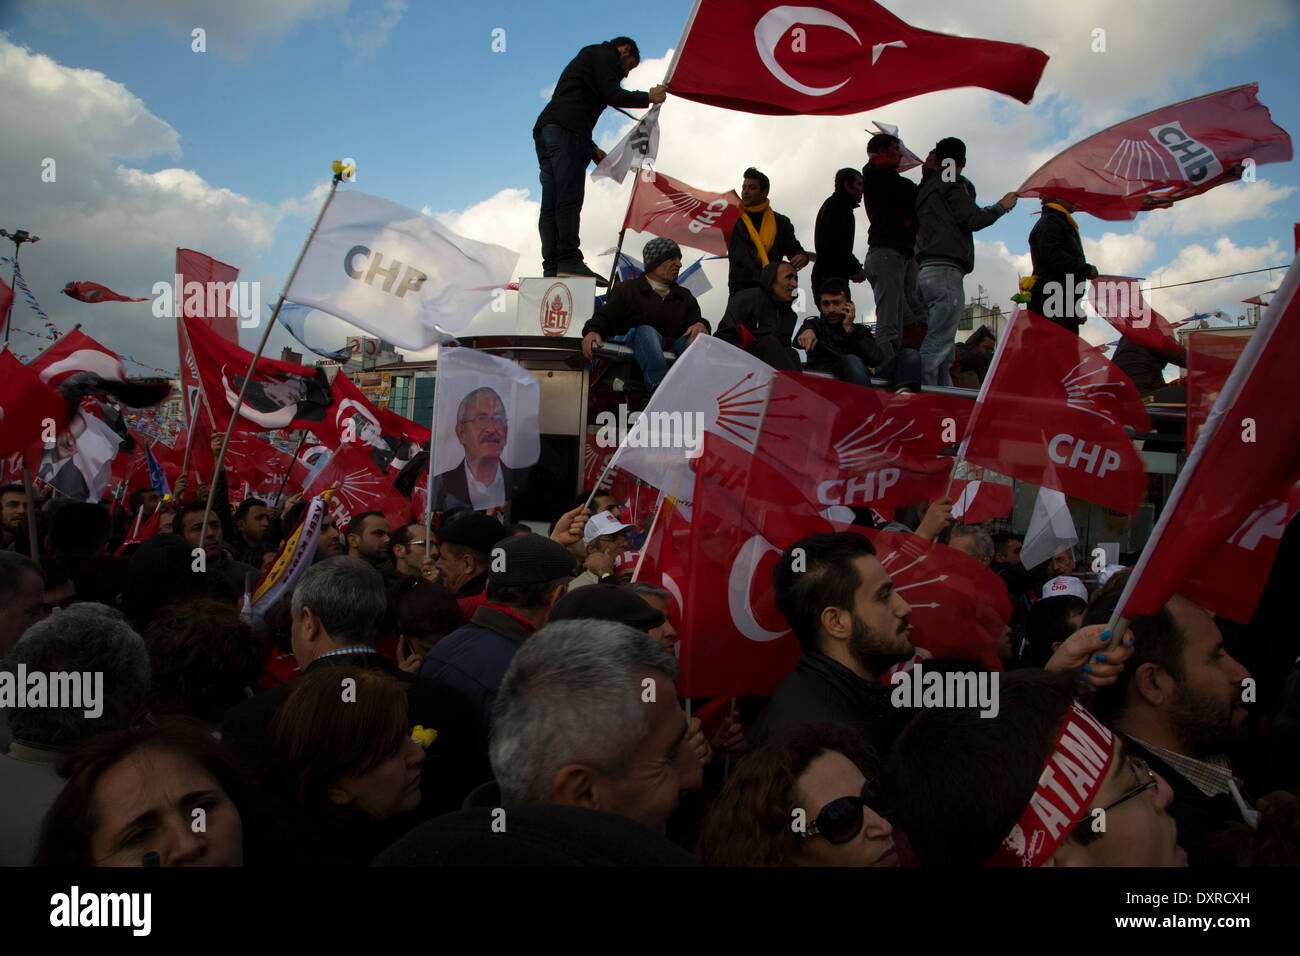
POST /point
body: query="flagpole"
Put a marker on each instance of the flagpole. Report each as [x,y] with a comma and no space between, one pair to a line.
[433,446]
[726,761]
[266,334]
[681,41]
[31,517]
[289,470]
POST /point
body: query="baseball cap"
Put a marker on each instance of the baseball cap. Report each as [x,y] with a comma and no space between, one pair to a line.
[602,524]
[1065,587]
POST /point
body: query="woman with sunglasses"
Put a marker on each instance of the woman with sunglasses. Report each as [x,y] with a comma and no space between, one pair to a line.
[805,798]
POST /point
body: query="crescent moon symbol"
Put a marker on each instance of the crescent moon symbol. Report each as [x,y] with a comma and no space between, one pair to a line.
[674,589]
[742,573]
[773,25]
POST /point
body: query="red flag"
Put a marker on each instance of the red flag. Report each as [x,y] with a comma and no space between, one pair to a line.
[734,640]
[73,354]
[1231,581]
[1248,449]
[1052,411]
[211,307]
[282,394]
[1119,300]
[1172,153]
[670,208]
[616,482]
[392,439]
[94,292]
[361,488]
[843,56]
[28,409]
[142,529]
[974,502]
[959,607]
[843,444]
[662,557]
[7,298]
[1210,360]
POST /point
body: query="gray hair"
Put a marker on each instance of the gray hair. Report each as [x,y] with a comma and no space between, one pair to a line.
[347,595]
[983,540]
[473,397]
[12,568]
[572,695]
[84,638]
[643,588]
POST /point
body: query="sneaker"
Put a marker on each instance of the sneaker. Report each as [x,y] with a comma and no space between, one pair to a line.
[580,271]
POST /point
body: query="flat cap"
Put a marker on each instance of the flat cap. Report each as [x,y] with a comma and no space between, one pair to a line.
[474,530]
[529,559]
[607,602]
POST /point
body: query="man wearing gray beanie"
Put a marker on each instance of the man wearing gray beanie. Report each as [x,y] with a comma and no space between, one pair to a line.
[649,312]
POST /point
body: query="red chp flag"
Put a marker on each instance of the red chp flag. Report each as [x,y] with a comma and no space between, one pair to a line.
[959,607]
[214,281]
[1232,580]
[1172,153]
[692,217]
[361,489]
[664,556]
[1119,300]
[28,407]
[1052,411]
[1210,360]
[734,640]
[94,292]
[281,395]
[842,56]
[1247,451]
[842,444]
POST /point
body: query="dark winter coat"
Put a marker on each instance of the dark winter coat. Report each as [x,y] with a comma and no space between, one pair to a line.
[590,82]
[947,217]
[636,303]
[890,200]
[744,268]
[834,342]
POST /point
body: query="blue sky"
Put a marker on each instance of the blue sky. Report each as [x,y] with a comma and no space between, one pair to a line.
[226,151]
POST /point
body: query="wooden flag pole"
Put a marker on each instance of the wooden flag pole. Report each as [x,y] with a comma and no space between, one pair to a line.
[266,334]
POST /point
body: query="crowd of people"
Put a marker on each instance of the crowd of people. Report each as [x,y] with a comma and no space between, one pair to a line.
[499,694]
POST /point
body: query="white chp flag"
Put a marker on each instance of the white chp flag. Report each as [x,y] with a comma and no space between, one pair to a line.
[640,146]
[397,273]
[1051,529]
[714,387]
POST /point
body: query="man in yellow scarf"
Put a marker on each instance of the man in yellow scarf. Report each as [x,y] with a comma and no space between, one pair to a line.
[762,236]
[1060,269]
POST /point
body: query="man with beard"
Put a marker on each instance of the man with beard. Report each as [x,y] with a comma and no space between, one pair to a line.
[852,626]
[1179,703]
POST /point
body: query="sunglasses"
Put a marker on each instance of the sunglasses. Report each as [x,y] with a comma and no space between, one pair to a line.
[841,820]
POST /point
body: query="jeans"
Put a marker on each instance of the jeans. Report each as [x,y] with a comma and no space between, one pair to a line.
[893,284]
[648,347]
[853,370]
[563,156]
[942,294]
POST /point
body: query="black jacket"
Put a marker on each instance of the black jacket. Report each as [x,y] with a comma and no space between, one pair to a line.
[1057,255]
[745,267]
[821,689]
[1144,366]
[947,217]
[590,82]
[834,343]
[1198,817]
[245,726]
[890,200]
[833,240]
[451,489]
[763,314]
[636,303]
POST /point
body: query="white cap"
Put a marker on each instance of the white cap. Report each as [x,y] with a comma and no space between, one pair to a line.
[602,524]
[1106,573]
[1065,587]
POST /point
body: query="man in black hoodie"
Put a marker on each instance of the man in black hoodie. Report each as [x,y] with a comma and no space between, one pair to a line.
[761,321]
[1060,269]
[834,231]
[890,201]
[947,217]
[562,137]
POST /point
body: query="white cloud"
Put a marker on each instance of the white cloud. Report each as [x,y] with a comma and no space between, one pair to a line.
[366,30]
[1225,258]
[1119,254]
[1221,207]
[103,219]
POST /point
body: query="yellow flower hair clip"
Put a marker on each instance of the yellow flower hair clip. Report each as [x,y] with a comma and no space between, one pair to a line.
[423,737]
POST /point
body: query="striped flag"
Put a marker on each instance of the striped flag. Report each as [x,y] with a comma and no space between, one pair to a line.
[294,558]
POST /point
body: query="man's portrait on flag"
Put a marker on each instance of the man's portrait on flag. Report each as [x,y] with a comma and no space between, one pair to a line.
[279,398]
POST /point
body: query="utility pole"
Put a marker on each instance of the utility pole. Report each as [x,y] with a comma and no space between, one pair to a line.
[17,237]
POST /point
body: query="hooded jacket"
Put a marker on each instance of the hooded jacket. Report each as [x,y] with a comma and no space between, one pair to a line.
[947,217]
[759,311]
[889,198]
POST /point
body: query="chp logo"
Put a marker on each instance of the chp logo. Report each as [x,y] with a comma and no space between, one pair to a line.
[556,310]
[699,216]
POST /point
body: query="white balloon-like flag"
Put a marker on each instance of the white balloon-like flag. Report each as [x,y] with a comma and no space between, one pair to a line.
[397,273]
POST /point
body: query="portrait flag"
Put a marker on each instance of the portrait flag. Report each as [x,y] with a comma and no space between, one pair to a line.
[485,430]
[397,273]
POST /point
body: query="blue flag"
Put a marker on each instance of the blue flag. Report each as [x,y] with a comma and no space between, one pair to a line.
[157,477]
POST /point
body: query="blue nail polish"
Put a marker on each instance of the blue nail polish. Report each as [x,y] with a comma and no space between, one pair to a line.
[1130,642]
[1105,636]
[1102,658]
[1086,678]
[1087,669]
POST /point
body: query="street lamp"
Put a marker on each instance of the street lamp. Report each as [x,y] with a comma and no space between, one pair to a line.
[17,237]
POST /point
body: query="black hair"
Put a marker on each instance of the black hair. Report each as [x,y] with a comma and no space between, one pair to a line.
[357,525]
[950,147]
[135,501]
[834,286]
[1048,622]
[843,177]
[882,141]
[763,182]
[815,573]
[628,42]
[79,529]
[247,505]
